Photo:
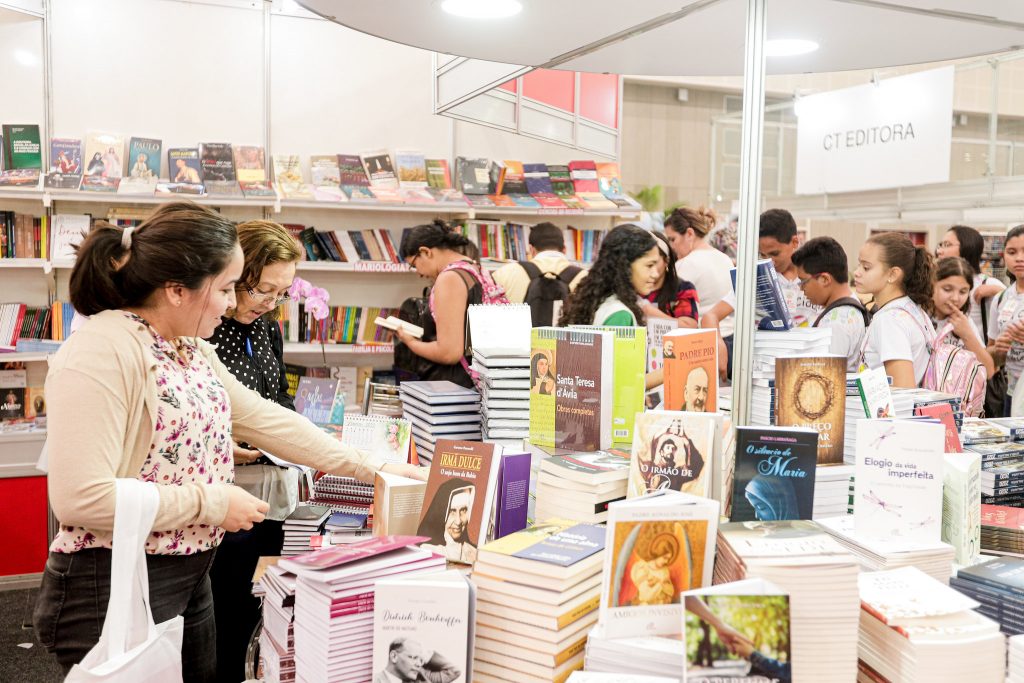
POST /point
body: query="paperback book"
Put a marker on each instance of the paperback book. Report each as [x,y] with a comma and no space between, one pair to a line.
[412,169]
[770,307]
[250,164]
[144,155]
[673,451]
[775,474]
[811,392]
[183,166]
[320,400]
[397,504]
[439,176]
[66,164]
[22,148]
[288,177]
[691,370]
[104,155]
[379,169]
[216,162]
[630,348]
[874,393]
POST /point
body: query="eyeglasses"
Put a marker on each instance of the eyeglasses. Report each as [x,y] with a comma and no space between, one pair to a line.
[268,298]
[948,245]
[412,261]
[804,280]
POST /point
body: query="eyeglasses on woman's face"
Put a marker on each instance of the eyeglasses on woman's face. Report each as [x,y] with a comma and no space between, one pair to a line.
[268,298]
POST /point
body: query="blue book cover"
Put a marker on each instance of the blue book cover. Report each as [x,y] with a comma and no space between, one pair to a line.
[775,472]
[567,547]
[317,398]
[183,166]
[525,200]
[770,307]
[144,158]
[537,178]
[1002,573]
[347,520]
[513,493]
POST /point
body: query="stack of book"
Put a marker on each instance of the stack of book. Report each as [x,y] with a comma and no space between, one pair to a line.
[799,341]
[874,554]
[976,430]
[581,486]
[832,490]
[998,586]
[346,527]
[914,628]
[904,403]
[1013,425]
[662,658]
[501,356]
[1002,530]
[277,640]
[440,410]
[304,523]
[537,596]
[1002,472]
[1015,659]
[821,578]
[334,602]
[344,494]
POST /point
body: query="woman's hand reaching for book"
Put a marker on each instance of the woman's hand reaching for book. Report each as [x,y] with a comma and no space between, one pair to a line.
[243,456]
[405,470]
[244,510]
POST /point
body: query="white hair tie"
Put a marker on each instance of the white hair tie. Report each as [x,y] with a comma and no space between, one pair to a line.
[126,237]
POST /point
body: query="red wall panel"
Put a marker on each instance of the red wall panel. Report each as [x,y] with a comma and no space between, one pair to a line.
[599,98]
[553,88]
[23,525]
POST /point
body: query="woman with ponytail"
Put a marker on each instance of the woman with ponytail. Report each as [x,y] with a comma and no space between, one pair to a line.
[437,253]
[136,393]
[899,276]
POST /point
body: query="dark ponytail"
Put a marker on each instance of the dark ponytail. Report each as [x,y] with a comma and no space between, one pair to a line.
[179,243]
[917,265]
[434,235]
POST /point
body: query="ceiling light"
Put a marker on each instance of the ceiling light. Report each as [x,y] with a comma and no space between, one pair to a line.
[482,9]
[789,47]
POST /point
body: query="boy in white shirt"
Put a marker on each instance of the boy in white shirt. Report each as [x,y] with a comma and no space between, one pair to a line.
[777,241]
[823,275]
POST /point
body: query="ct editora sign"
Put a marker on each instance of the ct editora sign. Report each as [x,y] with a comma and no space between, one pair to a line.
[895,133]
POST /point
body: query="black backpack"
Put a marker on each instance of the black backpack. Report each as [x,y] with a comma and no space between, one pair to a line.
[850,301]
[545,289]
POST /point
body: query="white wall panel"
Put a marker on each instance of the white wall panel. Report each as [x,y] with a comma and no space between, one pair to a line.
[21,53]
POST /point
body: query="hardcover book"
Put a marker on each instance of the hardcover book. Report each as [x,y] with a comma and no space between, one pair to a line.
[473,176]
[658,547]
[630,349]
[144,155]
[379,169]
[183,166]
[770,307]
[412,169]
[65,164]
[691,370]
[22,147]
[571,388]
[104,155]
[672,451]
[459,497]
[320,400]
[811,392]
[898,479]
[397,503]
[427,619]
[775,472]
[250,164]
[874,393]
[439,176]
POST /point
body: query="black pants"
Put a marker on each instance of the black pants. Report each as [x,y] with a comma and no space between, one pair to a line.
[72,605]
[237,611]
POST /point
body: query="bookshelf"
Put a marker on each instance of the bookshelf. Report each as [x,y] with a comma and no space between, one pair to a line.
[992,254]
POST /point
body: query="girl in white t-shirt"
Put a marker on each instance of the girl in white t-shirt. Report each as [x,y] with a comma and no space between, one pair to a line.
[1006,324]
[968,244]
[951,302]
[899,277]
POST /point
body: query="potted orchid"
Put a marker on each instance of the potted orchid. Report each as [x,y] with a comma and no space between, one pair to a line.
[315,299]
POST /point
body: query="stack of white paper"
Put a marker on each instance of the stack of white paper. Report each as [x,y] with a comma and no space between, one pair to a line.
[1015,659]
[933,558]
[831,490]
[799,341]
[645,655]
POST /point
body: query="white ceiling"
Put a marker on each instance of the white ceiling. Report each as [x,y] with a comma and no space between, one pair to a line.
[700,38]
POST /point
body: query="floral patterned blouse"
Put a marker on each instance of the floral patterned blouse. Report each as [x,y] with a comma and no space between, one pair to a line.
[192,444]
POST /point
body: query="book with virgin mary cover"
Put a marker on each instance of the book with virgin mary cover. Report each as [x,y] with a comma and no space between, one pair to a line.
[775,473]
[457,504]
[672,450]
[811,392]
[571,382]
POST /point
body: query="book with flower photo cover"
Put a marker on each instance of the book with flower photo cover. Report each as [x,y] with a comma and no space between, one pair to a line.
[384,437]
[673,450]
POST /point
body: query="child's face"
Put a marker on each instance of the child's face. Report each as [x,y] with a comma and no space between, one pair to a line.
[1013,254]
[815,287]
[950,294]
[872,274]
[779,252]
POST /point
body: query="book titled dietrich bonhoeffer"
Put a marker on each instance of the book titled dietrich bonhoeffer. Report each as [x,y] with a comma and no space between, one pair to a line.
[811,392]
[571,388]
[775,472]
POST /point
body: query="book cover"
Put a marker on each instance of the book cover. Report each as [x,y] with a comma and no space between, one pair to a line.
[713,621]
[98,183]
[557,542]
[898,479]
[874,393]
[457,503]
[658,547]
[811,392]
[136,186]
[65,164]
[183,166]
[216,162]
[324,171]
[338,556]
[514,181]
[104,154]
[943,412]
[592,469]
[561,181]
[672,451]
[411,168]
[691,370]
[13,386]
[584,176]
[67,230]
[571,388]
[770,307]
[320,401]
[596,201]
[609,180]
[22,147]
[288,176]
[423,628]
[525,201]
[250,164]
[513,494]
[549,200]
[387,438]
[472,175]
[657,328]
[537,179]
[628,360]
[775,473]
[961,506]
[438,174]
[257,188]
[144,156]
[397,503]
[379,169]
[351,171]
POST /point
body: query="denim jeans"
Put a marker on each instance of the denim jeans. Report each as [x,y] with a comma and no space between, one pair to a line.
[72,605]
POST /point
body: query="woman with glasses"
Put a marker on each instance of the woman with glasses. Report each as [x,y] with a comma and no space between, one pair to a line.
[250,345]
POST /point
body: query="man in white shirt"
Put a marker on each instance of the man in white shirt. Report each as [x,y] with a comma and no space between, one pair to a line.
[546,251]
[823,275]
[777,241]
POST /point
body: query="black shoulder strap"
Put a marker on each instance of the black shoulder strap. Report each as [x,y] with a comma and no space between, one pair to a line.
[569,274]
[532,271]
[845,301]
[984,303]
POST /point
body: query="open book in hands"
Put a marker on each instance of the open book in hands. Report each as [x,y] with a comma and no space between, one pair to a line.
[395,324]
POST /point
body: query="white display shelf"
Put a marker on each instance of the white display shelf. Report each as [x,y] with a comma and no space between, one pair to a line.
[356,267]
[339,349]
[24,357]
[15,436]
[24,263]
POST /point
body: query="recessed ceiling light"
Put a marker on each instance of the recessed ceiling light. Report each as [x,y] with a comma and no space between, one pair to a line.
[789,47]
[482,9]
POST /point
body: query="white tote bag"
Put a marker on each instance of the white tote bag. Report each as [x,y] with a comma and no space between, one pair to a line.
[131,647]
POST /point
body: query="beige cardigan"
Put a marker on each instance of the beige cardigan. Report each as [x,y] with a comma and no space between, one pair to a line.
[101,397]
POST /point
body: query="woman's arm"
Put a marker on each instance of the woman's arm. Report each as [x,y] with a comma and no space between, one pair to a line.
[902,373]
[450,297]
